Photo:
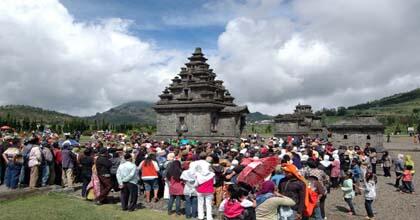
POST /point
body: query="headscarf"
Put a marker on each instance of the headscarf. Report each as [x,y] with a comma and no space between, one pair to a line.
[326,162]
[409,161]
[293,170]
[266,187]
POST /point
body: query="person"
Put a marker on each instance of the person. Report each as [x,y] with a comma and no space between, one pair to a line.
[319,181]
[237,206]
[47,159]
[335,171]
[386,164]
[219,179]
[115,160]
[269,200]
[57,166]
[407,179]
[293,186]
[149,174]
[399,169]
[370,194]
[14,162]
[348,191]
[103,168]
[278,175]
[205,190]
[176,186]
[373,159]
[190,192]
[86,163]
[67,163]
[127,178]
[35,160]
[356,175]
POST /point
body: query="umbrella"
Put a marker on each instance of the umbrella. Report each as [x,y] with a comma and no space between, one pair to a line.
[70,142]
[247,161]
[5,127]
[255,172]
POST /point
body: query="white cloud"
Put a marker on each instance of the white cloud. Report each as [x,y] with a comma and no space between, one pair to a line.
[326,53]
[50,60]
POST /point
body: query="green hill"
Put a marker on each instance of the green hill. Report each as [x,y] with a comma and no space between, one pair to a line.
[21,112]
[258,116]
[399,104]
[137,112]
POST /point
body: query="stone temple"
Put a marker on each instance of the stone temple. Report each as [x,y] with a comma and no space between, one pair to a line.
[357,131]
[302,122]
[198,106]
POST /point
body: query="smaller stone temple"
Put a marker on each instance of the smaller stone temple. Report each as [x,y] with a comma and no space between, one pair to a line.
[357,131]
[198,106]
[302,122]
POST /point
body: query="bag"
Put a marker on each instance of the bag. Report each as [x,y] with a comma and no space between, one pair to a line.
[311,200]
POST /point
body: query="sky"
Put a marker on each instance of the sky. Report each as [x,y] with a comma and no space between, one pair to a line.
[86,56]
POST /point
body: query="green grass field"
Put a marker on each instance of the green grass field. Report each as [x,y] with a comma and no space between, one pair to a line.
[61,206]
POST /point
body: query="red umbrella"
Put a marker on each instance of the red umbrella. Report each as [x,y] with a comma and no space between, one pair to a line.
[247,161]
[5,127]
[255,172]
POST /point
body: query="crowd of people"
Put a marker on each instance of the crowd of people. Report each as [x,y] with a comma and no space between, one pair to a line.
[206,177]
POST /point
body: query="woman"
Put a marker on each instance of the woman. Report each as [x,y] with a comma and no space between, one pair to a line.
[190,193]
[370,194]
[176,186]
[149,174]
[269,201]
[205,190]
[399,169]
[14,161]
[386,164]
[349,192]
[335,171]
[86,163]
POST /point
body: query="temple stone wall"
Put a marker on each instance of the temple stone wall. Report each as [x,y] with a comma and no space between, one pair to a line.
[227,127]
[357,138]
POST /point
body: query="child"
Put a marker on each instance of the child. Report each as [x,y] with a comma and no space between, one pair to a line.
[349,192]
[370,194]
[407,179]
[234,206]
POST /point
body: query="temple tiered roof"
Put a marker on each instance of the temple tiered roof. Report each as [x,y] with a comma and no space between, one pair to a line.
[195,86]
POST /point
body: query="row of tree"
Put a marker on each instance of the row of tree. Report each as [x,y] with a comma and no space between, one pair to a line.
[82,125]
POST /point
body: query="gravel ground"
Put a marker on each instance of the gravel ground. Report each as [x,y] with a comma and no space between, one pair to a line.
[389,204]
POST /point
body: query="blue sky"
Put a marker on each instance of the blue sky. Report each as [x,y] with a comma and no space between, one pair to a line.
[156,21]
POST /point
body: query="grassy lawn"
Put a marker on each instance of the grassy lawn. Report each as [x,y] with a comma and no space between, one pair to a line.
[62,206]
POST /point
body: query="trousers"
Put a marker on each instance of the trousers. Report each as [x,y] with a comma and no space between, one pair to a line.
[207,200]
[129,194]
[33,179]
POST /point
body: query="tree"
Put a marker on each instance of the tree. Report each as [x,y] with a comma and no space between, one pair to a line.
[341,111]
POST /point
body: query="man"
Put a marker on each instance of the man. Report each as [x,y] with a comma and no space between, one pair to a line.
[68,159]
[318,181]
[127,178]
[293,187]
[47,158]
[35,160]
[103,169]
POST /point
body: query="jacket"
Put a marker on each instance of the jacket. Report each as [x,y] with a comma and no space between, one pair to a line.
[35,157]
[268,209]
[348,189]
[296,190]
[149,172]
[103,166]
[127,172]
[190,183]
[370,190]
[67,159]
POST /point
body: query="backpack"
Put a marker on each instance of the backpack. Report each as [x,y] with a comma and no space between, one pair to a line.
[311,200]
